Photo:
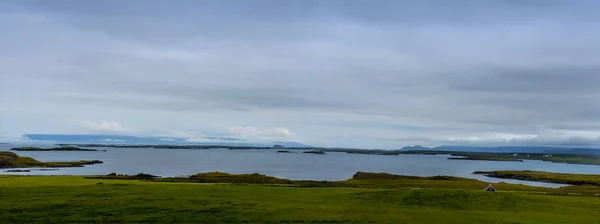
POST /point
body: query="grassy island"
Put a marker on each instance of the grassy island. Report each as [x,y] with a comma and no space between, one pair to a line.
[590,159]
[62,148]
[12,160]
[559,178]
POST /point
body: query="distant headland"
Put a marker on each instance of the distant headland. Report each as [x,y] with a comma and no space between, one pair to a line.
[62,148]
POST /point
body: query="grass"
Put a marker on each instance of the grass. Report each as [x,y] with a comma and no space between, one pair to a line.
[561,178]
[255,178]
[72,199]
[12,160]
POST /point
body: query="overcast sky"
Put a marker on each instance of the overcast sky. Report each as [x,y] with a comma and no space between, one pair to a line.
[381,74]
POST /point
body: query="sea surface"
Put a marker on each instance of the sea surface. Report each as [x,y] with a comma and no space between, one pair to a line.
[295,165]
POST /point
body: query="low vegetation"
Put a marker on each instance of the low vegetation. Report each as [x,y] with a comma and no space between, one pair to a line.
[62,148]
[211,177]
[255,178]
[12,160]
[560,178]
[360,179]
[139,176]
[387,176]
[72,199]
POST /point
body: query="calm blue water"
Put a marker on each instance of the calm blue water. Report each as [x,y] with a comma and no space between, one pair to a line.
[298,166]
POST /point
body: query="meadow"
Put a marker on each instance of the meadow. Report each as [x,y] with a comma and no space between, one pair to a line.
[364,199]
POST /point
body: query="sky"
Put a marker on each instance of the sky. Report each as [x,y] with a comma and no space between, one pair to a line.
[380,74]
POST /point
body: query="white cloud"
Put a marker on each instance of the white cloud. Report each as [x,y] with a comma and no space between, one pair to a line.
[181,134]
[23,140]
[111,126]
[494,137]
[112,140]
[255,133]
[168,139]
[196,140]
[334,74]
[202,139]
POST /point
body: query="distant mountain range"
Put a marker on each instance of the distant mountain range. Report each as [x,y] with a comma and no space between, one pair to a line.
[510,149]
[229,141]
[135,140]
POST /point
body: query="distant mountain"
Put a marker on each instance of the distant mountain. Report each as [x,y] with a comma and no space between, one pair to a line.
[416,147]
[292,144]
[278,147]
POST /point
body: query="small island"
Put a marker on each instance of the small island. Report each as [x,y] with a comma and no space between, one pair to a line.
[18,171]
[541,176]
[488,158]
[315,152]
[283,151]
[29,170]
[62,148]
[12,160]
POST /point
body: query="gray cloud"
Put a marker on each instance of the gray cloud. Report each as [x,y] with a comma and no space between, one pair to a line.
[335,73]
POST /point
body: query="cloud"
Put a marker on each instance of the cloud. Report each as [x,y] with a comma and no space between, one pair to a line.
[110,126]
[168,139]
[24,140]
[197,140]
[262,133]
[112,140]
[337,73]
[207,139]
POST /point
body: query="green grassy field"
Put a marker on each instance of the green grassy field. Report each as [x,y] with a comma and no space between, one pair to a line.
[72,199]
